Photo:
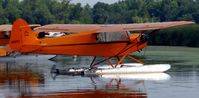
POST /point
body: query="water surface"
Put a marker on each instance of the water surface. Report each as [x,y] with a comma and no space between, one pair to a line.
[26,79]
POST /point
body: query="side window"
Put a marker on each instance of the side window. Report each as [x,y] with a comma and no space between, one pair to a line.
[52,34]
[101,37]
[112,36]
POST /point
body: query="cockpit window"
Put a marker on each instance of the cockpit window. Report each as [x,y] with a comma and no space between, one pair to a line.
[52,34]
[112,36]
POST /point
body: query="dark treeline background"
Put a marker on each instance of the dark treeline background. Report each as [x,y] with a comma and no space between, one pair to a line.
[125,11]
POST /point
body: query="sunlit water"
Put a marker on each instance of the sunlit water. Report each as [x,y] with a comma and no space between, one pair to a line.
[26,79]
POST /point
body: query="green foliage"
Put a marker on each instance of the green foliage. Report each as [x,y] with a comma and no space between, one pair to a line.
[180,36]
[125,11]
[37,12]
[100,13]
[3,19]
[11,10]
[86,15]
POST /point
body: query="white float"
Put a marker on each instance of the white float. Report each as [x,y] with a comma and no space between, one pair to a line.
[142,76]
[133,68]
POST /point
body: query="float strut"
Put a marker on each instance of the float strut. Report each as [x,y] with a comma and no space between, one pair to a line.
[134,59]
[91,65]
[109,62]
[120,61]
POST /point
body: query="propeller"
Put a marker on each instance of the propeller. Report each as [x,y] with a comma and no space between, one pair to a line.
[144,37]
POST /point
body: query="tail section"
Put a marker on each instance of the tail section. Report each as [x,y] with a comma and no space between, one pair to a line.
[23,39]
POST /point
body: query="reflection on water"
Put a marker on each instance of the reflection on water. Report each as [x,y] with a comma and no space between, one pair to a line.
[33,79]
[90,94]
[112,89]
[25,80]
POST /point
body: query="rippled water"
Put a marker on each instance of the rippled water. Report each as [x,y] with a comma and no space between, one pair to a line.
[26,79]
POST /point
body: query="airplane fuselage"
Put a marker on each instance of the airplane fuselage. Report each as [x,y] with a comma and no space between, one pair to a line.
[87,44]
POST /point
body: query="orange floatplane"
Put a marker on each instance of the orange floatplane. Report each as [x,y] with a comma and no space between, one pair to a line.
[108,40]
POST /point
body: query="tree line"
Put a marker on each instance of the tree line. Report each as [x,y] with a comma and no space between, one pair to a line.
[125,11]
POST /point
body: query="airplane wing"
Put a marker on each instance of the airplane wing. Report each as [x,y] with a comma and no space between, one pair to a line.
[97,28]
[8,27]
[5,27]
